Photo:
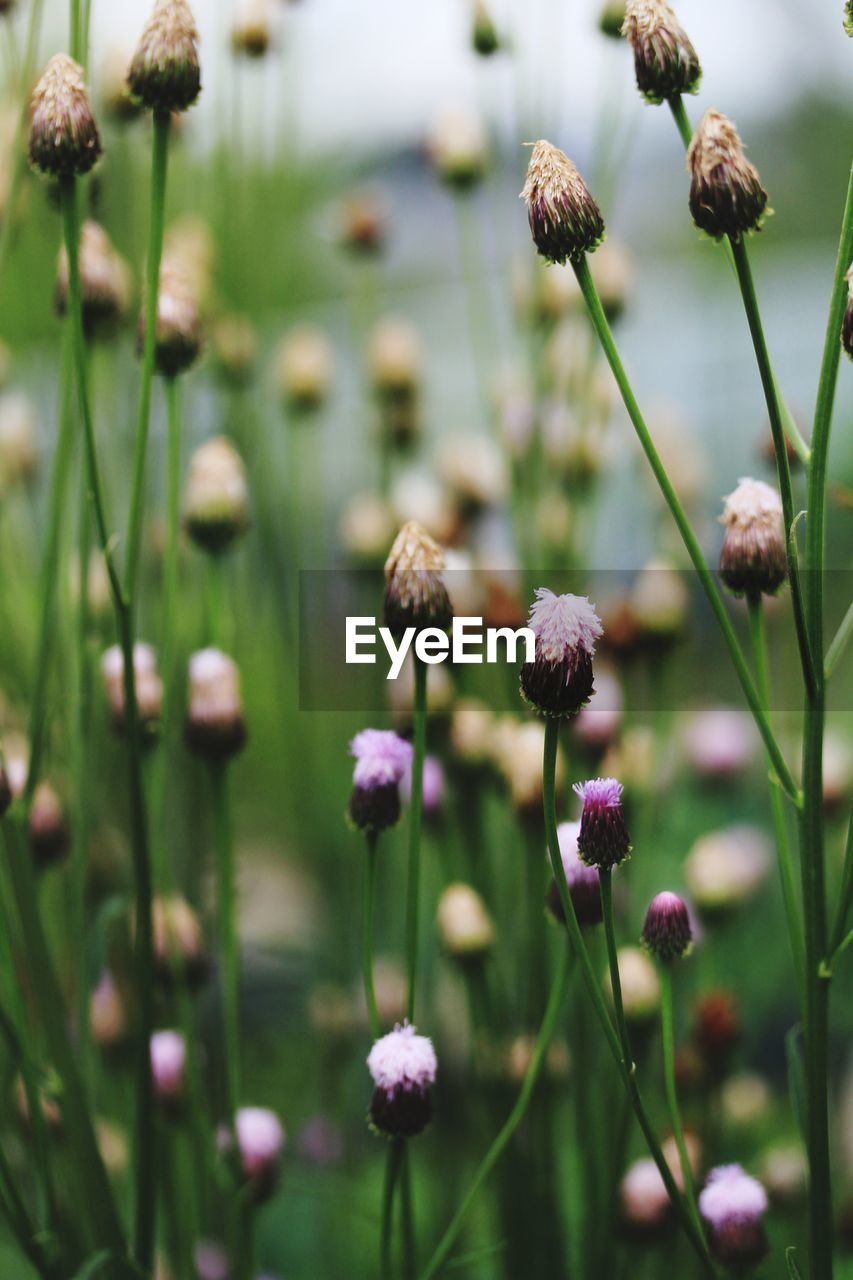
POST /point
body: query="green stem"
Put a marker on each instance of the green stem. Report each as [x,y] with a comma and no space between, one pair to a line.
[845,895]
[367,940]
[229,940]
[393,1161]
[783,846]
[839,643]
[688,537]
[82,790]
[556,1000]
[159,169]
[415,809]
[617,1042]
[19,150]
[771,396]
[410,1256]
[668,1045]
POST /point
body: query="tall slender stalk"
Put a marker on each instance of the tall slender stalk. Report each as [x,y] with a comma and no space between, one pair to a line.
[367,938]
[668,1047]
[617,1041]
[18,151]
[229,940]
[415,814]
[393,1162]
[556,999]
[783,845]
[706,578]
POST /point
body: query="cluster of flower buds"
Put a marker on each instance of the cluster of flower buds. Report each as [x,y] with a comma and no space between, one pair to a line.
[168,1050]
[304,369]
[726,195]
[565,221]
[403,1067]
[733,1205]
[464,924]
[667,934]
[665,62]
[177,333]
[559,681]
[582,881]
[216,501]
[216,725]
[64,140]
[753,559]
[415,593]
[105,281]
[148,685]
[382,760]
[165,74]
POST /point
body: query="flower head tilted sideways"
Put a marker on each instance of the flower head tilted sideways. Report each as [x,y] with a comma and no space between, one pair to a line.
[559,681]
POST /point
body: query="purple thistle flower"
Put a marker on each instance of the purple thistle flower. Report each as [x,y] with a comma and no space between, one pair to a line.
[559,680]
[733,1205]
[667,933]
[603,840]
[382,760]
[260,1142]
[168,1064]
[403,1066]
[582,880]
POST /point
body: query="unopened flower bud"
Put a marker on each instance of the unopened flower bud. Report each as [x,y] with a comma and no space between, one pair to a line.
[178,941]
[48,827]
[471,733]
[847,323]
[168,1065]
[464,924]
[640,985]
[216,726]
[559,681]
[666,932]
[644,1199]
[395,360]
[104,281]
[362,224]
[458,149]
[216,501]
[19,454]
[720,743]
[659,604]
[665,62]
[725,868]
[149,687]
[564,219]
[415,593]
[518,752]
[603,839]
[234,347]
[366,527]
[177,334]
[382,758]
[582,881]
[474,470]
[304,368]
[165,74]
[484,36]
[260,1142]
[733,1205]
[726,195]
[753,558]
[64,140]
[107,1013]
[612,18]
[403,1066]
[251,33]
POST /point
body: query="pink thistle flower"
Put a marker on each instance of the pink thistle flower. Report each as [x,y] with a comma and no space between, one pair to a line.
[733,1204]
[603,840]
[667,933]
[582,881]
[168,1064]
[403,1066]
[383,759]
[559,681]
[260,1142]
[433,785]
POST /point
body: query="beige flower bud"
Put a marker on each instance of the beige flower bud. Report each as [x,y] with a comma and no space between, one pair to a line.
[64,140]
[165,74]
[304,368]
[565,221]
[105,281]
[464,924]
[216,501]
[216,726]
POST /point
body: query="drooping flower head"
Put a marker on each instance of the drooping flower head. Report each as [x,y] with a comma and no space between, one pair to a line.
[64,139]
[403,1066]
[726,195]
[415,592]
[667,933]
[733,1205]
[582,880]
[559,680]
[165,74]
[665,62]
[565,221]
[753,558]
[603,839]
[382,760]
[260,1142]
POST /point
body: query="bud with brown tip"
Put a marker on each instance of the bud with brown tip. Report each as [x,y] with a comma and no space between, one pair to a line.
[64,139]
[564,219]
[753,559]
[847,324]
[216,504]
[415,593]
[665,62]
[177,338]
[165,74]
[726,195]
[216,726]
[104,281]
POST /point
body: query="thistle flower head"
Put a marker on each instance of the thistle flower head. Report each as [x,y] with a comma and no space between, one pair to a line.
[168,1050]
[403,1066]
[177,335]
[643,1196]
[564,219]
[665,62]
[582,881]
[304,368]
[64,140]
[559,681]
[165,74]
[726,195]
[260,1142]
[753,557]
[149,686]
[382,758]
[251,33]
[48,827]
[666,932]
[603,840]
[216,502]
[415,593]
[216,727]
[847,324]
[733,1204]
[104,281]
[179,947]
